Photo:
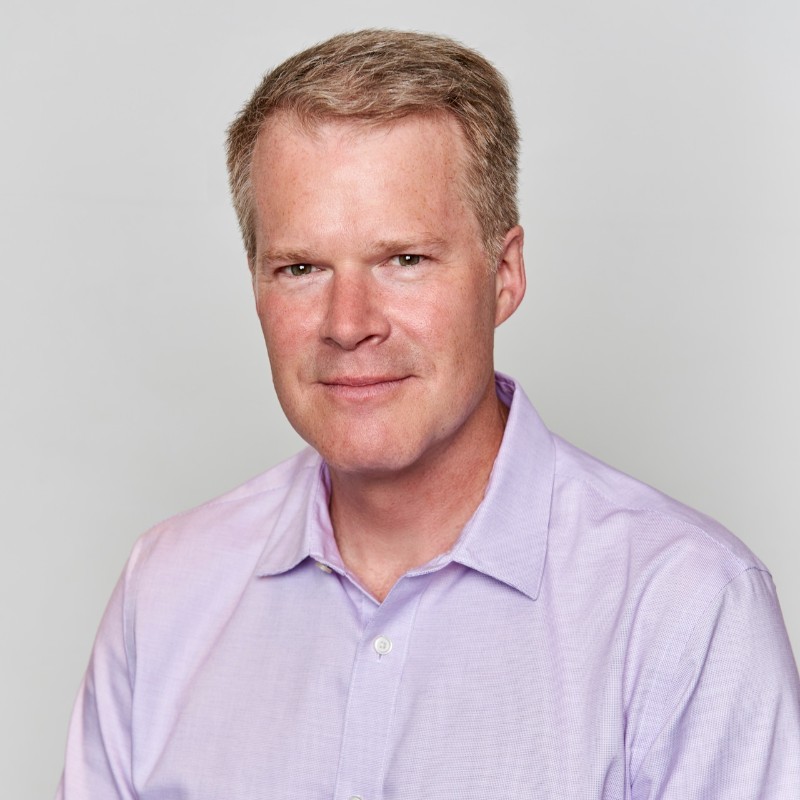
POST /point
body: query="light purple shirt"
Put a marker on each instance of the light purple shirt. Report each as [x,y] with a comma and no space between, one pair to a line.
[587,637]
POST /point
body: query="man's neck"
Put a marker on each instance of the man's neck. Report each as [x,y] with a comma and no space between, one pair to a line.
[388,525]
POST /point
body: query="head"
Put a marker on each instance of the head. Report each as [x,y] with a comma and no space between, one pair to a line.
[375,78]
[374,178]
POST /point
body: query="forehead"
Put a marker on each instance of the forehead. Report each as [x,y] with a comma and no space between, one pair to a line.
[345,173]
[287,136]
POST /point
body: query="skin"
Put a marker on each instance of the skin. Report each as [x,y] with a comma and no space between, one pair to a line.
[378,309]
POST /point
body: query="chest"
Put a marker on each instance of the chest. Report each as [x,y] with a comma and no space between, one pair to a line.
[455,686]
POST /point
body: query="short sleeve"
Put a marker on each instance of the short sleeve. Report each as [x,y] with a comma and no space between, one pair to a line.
[729,716]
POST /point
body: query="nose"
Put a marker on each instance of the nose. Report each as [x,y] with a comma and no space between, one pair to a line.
[355,312]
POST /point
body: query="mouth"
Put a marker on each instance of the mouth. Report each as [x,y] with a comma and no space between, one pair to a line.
[363,387]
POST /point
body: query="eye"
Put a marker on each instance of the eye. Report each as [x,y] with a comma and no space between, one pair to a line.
[298,270]
[408,260]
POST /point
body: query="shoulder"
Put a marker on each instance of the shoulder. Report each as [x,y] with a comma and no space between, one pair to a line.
[641,519]
[231,528]
[688,612]
[638,563]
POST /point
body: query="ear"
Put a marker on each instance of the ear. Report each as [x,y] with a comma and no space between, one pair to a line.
[510,276]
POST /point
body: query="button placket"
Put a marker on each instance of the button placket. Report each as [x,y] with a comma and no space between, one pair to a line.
[375,681]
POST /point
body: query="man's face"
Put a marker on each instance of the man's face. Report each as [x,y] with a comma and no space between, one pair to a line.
[375,297]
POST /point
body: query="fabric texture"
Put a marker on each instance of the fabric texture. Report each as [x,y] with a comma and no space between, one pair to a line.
[586,637]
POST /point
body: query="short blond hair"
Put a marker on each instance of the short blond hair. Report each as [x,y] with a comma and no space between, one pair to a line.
[377,77]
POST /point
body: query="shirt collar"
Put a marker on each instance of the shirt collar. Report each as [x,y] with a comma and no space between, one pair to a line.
[506,538]
[302,527]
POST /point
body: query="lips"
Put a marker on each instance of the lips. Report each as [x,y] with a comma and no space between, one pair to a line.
[362,387]
[361,380]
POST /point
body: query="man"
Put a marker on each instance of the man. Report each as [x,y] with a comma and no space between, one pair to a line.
[439,599]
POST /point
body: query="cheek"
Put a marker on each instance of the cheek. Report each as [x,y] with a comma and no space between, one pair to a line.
[455,340]
[281,341]
[285,325]
[465,319]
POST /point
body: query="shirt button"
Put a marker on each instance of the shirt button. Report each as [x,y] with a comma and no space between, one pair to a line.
[324,567]
[382,645]
[355,797]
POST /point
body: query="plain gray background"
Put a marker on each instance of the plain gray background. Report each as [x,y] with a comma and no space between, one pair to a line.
[661,199]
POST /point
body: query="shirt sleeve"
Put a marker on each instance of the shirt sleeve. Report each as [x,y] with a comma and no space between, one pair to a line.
[730,715]
[98,757]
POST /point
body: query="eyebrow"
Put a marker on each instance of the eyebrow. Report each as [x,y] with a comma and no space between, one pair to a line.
[288,257]
[418,244]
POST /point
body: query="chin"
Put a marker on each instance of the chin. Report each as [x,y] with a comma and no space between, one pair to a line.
[368,461]
[369,455]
